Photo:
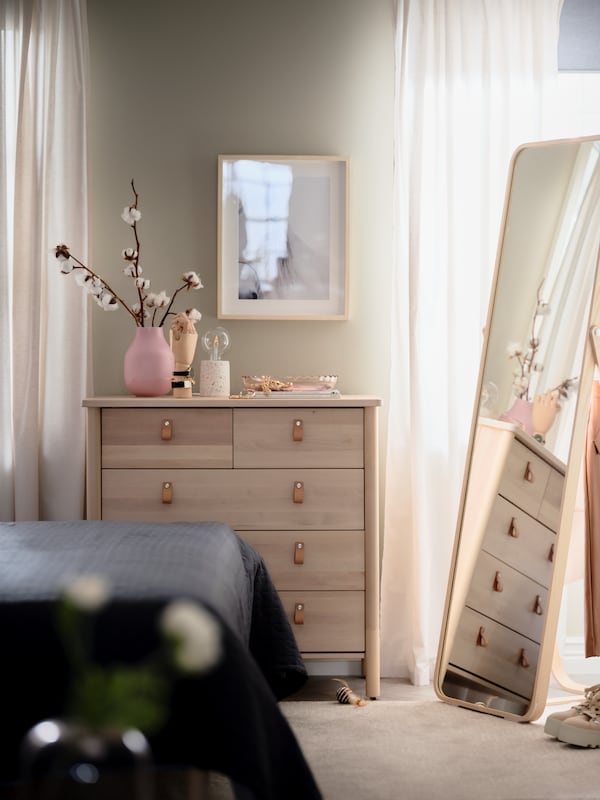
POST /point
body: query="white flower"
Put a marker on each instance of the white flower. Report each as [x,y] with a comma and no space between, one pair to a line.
[131,215]
[160,305]
[513,349]
[195,634]
[193,280]
[521,384]
[95,286]
[82,279]
[159,300]
[107,301]
[87,592]
[193,314]
[62,254]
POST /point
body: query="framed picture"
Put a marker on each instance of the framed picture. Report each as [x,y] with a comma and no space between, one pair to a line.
[282,237]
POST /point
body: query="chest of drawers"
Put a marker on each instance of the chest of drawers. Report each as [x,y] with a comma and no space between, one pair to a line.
[295,477]
[512,518]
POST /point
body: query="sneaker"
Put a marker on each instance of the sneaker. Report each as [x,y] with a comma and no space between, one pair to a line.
[554,721]
[583,729]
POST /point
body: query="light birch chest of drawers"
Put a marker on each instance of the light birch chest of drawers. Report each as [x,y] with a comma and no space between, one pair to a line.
[297,478]
[512,517]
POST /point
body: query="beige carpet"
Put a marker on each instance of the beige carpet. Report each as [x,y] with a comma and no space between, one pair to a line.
[402,750]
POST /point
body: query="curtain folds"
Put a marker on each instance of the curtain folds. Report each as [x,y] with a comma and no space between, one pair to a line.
[43,320]
[474,79]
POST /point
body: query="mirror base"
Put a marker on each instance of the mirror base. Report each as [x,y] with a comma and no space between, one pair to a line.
[460,687]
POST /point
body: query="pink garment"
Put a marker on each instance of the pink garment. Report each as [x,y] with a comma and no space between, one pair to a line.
[592,527]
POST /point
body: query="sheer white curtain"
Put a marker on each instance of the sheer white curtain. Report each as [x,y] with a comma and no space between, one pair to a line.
[474,79]
[43,200]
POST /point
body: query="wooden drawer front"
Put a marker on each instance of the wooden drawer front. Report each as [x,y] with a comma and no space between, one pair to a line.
[312,559]
[167,437]
[508,596]
[331,621]
[298,437]
[549,512]
[244,499]
[531,549]
[521,464]
[499,662]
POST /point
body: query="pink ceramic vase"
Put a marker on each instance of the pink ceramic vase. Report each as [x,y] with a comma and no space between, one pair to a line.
[520,413]
[149,363]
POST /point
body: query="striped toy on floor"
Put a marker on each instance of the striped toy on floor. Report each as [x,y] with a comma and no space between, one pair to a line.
[346,696]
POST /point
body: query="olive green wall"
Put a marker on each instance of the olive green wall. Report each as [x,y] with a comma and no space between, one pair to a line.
[174,83]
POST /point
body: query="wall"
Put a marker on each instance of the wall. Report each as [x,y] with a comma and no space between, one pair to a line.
[176,82]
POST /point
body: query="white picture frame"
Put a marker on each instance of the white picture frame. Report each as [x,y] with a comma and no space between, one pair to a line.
[282,245]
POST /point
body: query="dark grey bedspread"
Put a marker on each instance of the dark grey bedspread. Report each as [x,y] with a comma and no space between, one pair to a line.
[227,721]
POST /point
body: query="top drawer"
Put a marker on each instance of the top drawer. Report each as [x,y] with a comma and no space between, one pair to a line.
[298,437]
[166,437]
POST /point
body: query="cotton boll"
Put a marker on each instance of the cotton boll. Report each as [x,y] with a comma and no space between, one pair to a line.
[195,634]
[87,592]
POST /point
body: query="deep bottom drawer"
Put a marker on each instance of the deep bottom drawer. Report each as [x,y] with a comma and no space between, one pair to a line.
[326,622]
[503,657]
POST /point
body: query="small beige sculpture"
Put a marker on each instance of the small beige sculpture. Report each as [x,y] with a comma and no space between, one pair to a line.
[183,340]
[545,408]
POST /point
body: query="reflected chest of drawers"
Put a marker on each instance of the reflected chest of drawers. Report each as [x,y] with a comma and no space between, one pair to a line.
[513,517]
[295,477]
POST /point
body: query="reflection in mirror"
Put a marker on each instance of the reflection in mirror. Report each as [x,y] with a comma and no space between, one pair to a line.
[501,607]
[547,266]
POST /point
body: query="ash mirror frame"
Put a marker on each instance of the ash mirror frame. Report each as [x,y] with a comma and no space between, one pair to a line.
[473,689]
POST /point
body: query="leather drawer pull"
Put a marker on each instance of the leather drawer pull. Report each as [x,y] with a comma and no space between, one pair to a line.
[512,528]
[551,553]
[299,614]
[523,660]
[166,430]
[299,553]
[298,430]
[298,491]
[528,474]
[498,583]
[167,492]
[482,638]
[537,606]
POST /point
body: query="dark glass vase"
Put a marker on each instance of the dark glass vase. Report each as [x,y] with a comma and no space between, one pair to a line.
[63,760]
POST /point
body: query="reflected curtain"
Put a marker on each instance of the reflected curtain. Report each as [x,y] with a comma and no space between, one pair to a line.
[567,289]
[474,79]
[43,200]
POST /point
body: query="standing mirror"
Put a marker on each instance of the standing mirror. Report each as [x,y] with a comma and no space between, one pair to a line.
[526,445]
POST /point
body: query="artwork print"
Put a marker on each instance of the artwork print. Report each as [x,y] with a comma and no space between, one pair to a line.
[282,237]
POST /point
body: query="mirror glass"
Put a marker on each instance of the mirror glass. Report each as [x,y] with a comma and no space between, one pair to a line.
[523,428]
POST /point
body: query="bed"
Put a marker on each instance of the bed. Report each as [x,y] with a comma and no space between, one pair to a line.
[226,721]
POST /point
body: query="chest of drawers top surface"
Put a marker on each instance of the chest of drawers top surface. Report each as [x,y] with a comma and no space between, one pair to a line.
[278,399]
